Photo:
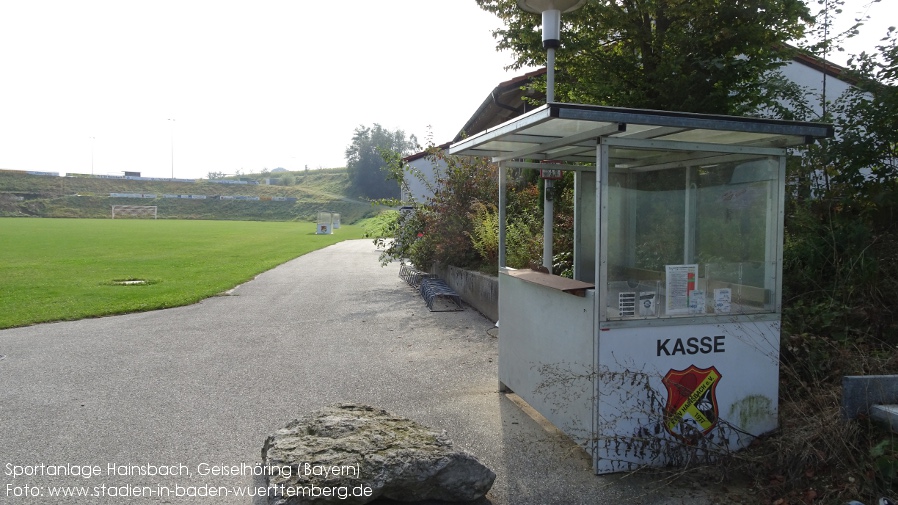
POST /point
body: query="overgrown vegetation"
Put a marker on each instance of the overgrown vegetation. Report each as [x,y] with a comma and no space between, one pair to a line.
[840,298]
[458,223]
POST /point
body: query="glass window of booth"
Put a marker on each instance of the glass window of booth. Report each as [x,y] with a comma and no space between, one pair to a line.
[691,234]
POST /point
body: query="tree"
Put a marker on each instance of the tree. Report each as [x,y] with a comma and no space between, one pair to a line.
[365,161]
[841,236]
[706,56]
[867,151]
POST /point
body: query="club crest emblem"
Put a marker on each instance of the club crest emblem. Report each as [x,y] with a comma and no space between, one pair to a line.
[691,409]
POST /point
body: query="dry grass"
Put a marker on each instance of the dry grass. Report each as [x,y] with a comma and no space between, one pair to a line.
[816,456]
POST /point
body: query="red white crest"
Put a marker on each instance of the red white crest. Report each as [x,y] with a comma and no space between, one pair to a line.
[691,408]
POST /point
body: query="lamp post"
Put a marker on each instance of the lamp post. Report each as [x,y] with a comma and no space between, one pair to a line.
[172,148]
[551,11]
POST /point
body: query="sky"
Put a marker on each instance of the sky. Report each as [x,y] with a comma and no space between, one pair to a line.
[186,87]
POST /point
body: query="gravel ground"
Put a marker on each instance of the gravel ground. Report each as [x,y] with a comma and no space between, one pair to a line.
[182,392]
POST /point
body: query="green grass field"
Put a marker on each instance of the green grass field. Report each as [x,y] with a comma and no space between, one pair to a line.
[65,269]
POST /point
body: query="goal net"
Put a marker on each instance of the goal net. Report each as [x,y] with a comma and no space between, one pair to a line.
[133,211]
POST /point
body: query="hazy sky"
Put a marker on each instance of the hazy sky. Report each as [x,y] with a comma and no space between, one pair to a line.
[92,85]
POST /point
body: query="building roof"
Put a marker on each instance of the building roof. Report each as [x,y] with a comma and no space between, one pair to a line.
[422,154]
[823,66]
[505,101]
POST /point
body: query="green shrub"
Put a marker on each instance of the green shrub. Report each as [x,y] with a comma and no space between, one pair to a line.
[485,232]
[523,244]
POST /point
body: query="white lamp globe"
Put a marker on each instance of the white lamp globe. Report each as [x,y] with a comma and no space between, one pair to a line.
[540,6]
[551,11]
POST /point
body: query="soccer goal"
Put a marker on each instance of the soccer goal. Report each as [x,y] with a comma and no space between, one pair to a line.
[133,211]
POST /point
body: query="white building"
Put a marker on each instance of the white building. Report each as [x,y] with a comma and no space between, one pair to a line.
[418,188]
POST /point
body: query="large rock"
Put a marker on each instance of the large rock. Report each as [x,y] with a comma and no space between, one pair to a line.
[354,454]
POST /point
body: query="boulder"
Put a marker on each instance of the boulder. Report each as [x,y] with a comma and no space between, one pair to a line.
[353,454]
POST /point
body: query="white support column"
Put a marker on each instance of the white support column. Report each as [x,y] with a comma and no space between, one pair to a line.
[601,277]
[548,207]
[778,216]
[691,193]
[578,249]
[551,28]
[601,272]
[548,221]
[550,75]
[502,214]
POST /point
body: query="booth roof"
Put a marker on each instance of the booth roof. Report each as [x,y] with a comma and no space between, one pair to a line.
[568,132]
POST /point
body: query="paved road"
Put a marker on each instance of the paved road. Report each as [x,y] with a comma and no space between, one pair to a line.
[205,384]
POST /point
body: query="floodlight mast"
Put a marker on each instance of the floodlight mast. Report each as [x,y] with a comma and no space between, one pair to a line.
[551,11]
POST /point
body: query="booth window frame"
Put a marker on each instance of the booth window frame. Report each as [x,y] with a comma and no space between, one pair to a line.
[580,138]
[773,230]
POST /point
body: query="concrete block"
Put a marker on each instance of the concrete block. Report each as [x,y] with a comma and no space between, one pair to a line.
[861,392]
[886,414]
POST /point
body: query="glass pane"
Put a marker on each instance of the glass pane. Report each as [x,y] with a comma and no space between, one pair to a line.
[696,238]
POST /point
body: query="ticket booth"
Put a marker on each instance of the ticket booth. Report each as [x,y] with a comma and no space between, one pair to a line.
[664,346]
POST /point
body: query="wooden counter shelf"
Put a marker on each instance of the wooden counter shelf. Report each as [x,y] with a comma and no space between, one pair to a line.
[574,287]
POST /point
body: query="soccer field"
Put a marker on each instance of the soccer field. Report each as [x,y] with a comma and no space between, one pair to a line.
[64,269]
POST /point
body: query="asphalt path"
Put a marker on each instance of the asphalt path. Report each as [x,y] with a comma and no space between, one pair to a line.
[190,392]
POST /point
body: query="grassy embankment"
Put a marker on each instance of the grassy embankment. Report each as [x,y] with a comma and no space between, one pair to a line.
[22,194]
[65,269]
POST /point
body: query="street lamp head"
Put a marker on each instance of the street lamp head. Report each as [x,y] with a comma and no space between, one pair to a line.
[551,11]
[539,6]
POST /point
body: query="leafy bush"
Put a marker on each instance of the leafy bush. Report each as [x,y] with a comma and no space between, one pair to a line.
[380,226]
[485,234]
[459,225]
[523,244]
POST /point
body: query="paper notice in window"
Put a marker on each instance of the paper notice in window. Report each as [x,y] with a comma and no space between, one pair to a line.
[696,302]
[681,281]
[722,298]
[647,303]
[627,304]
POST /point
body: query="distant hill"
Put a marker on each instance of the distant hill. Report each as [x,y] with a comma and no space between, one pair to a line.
[23,194]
